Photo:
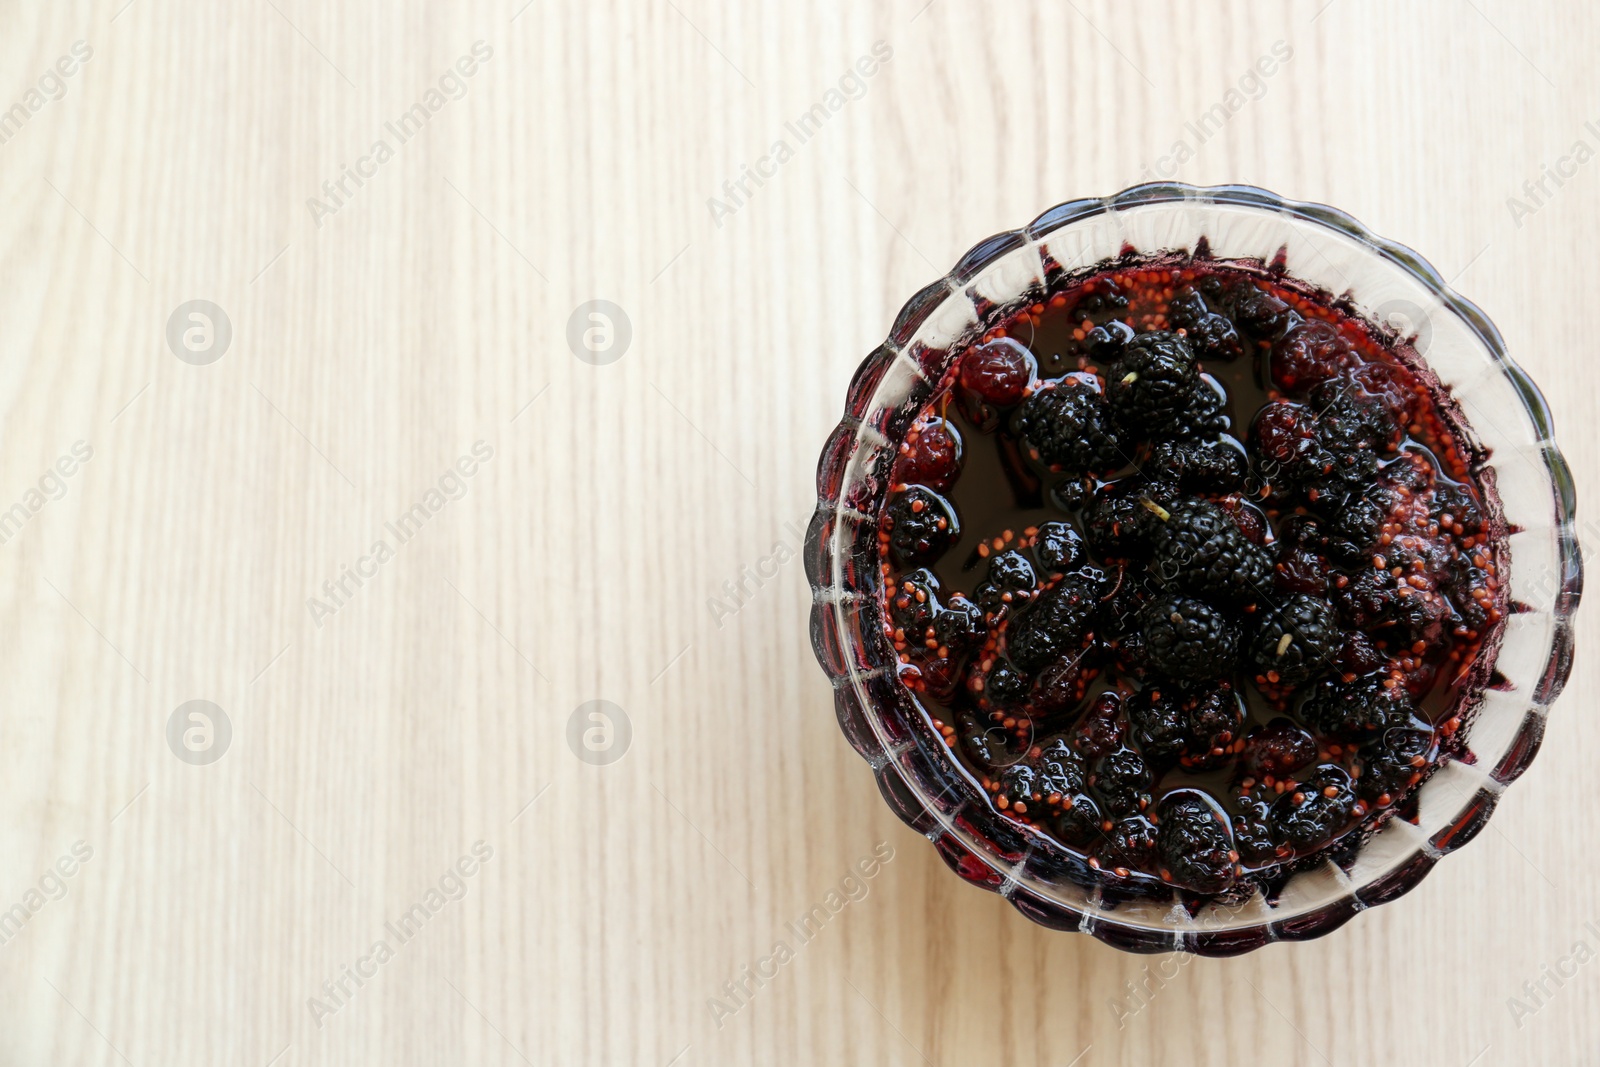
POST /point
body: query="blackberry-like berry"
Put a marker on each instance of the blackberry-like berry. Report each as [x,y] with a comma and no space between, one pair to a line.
[1152,382]
[1410,472]
[1320,807]
[1250,519]
[1122,778]
[1284,439]
[1159,724]
[1039,784]
[1300,570]
[1199,549]
[1196,847]
[914,604]
[931,455]
[1392,763]
[960,626]
[1462,579]
[1105,343]
[1061,685]
[1188,638]
[1263,315]
[1347,441]
[1367,599]
[1186,308]
[1195,725]
[1067,427]
[1364,705]
[1055,624]
[1279,749]
[1106,300]
[1061,770]
[1215,717]
[1102,727]
[922,524]
[1080,820]
[1296,640]
[1353,529]
[1252,830]
[1059,547]
[1214,337]
[1011,581]
[1217,466]
[1119,524]
[1203,417]
[1351,415]
[1390,392]
[1119,612]
[1015,787]
[987,743]
[1130,845]
[1454,508]
[1205,325]
[1421,614]
[1070,494]
[1312,352]
[1359,655]
[1006,685]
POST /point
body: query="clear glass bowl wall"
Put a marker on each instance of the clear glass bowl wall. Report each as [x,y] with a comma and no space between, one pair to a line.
[925,786]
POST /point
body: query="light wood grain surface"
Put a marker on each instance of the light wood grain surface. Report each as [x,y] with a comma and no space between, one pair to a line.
[376,339]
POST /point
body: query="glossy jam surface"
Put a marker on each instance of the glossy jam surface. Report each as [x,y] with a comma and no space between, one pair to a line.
[1191,570]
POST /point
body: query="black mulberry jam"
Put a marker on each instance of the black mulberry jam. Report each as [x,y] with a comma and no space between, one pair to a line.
[1191,568]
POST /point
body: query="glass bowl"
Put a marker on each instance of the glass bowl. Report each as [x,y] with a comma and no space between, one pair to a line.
[1386,283]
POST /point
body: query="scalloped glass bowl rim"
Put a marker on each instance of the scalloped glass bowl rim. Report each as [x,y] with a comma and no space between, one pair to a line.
[882,737]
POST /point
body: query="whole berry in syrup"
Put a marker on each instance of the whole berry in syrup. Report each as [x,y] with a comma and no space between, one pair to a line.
[1192,570]
[1196,846]
[1106,342]
[1011,581]
[1005,686]
[1059,547]
[1262,315]
[959,626]
[1393,762]
[1316,809]
[1277,750]
[1038,785]
[1295,641]
[1287,453]
[1360,706]
[1200,550]
[1063,684]
[1122,781]
[913,604]
[1160,725]
[1128,845]
[1055,624]
[1312,352]
[1188,638]
[921,525]
[931,455]
[1150,385]
[1119,519]
[997,373]
[1100,731]
[1216,719]
[1216,466]
[1067,427]
[1211,335]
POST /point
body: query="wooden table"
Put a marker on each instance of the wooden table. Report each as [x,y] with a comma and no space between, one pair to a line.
[568,514]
